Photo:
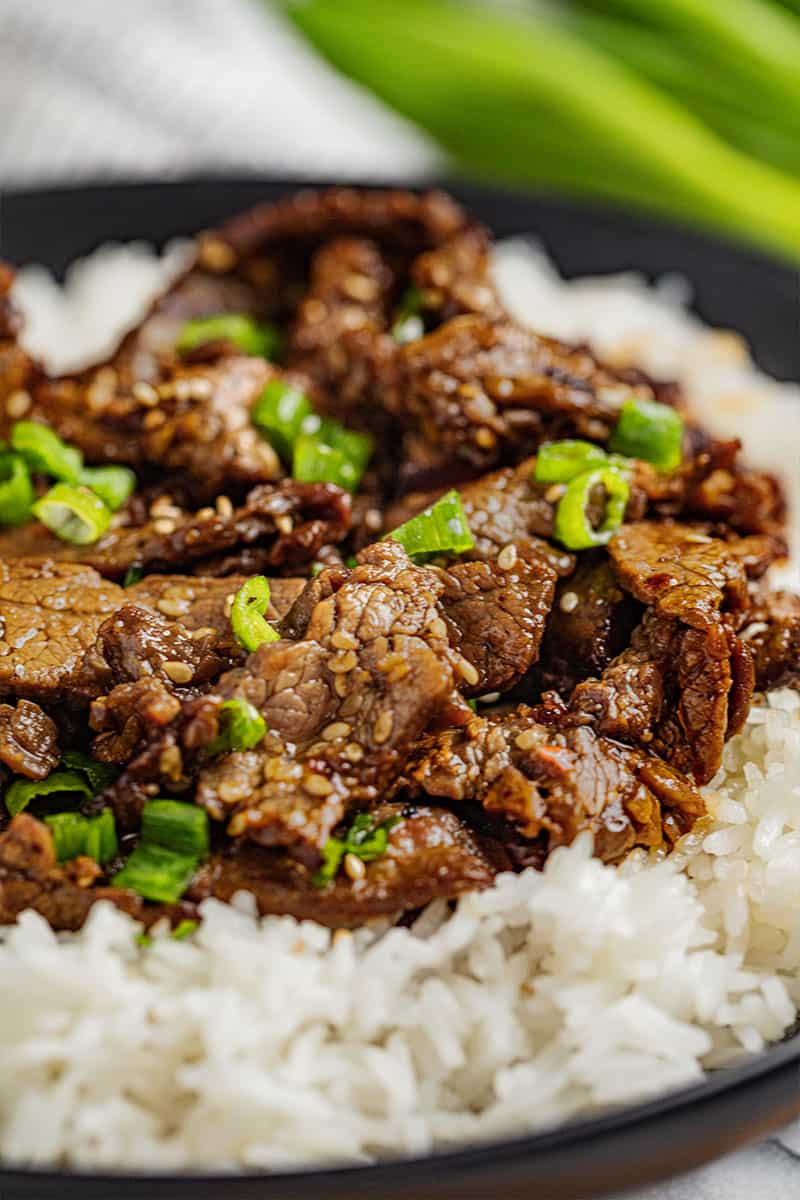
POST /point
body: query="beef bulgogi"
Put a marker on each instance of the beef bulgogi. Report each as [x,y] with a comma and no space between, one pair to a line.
[337,585]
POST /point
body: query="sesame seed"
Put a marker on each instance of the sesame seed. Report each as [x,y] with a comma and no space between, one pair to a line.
[382,730]
[569,602]
[525,740]
[205,514]
[284,524]
[467,672]
[170,762]
[18,404]
[507,557]
[489,698]
[237,824]
[337,729]
[354,867]
[172,607]
[202,389]
[340,686]
[555,492]
[178,672]
[144,393]
[342,640]
[216,254]
[373,519]
[343,662]
[484,438]
[753,630]
[318,785]
[437,628]
[153,419]
[353,752]
[164,526]
[224,506]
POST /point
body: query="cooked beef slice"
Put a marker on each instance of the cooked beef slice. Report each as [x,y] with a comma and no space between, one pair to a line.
[122,716]
[773,636]
[342,706]
[278,526]
[194,420]
[50,614]
[30,878]
[17,371]
[455,278]
[590,623]
[28,740]
[552,783]
[431,855]
[475,389]
[496,615]
[678,690]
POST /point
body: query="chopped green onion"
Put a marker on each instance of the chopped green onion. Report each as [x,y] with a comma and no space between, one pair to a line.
[279,414]
[156,873]
[100,775]
[247,614]
[101,837]
[363,839]
[144,939]
[184,929]
[258,340]
[650,431]
[408,324]
[573,526]
[74,834]
[473,704]
[112,484]
[314,462]
[441,528]
[175,825]
[241,727]
[22,791]
[44,451]
[132,575]
[16,490]
[316,569]
[351,561]
[559,462]
[73,514]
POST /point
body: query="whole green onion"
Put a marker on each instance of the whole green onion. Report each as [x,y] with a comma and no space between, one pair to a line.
[241,727]
[247,614]
[16,490]
[112,484]
[363,839]
[22,792]
[156,873]
[44,451]
[257,340]
[175,825]
[650,431]
[440,529]
[573,526]
[279,413]
[73,514]
[559,462]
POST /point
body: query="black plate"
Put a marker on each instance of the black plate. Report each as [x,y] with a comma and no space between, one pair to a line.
[734,287]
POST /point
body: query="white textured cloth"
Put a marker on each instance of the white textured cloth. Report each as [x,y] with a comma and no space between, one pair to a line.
[101,88]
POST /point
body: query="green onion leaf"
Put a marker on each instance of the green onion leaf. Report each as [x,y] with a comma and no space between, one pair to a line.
[440,529]
[559,462]
[73,514]
[16,490]
[363,839]
[100,775]
[44,451]
[573,526]
[184,929]
[279,414]
[257,340]
[650,431]
[132,575]
[175,825]
[241,727]
[112,484]
[21,792]
[156,873]
[247,614]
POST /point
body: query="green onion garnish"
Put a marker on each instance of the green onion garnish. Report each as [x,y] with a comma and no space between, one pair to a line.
[100,775]
[258,340]
[650,431]
[408,324]
[279,414]
[44,451]
[559,462]
[132,575]
[247,614]
[363,839]
[573,526]
[184,929]
[73,514]
[112,484]
[241,727]
[156,873]
[21,792]
[16,490]
[441,528]
[175,825]
[327,452]
[74,834]
[101,837]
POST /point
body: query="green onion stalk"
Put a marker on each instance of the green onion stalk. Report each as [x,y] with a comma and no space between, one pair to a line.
[521,96]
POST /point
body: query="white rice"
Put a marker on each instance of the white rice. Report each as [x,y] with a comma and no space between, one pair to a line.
[271,1043]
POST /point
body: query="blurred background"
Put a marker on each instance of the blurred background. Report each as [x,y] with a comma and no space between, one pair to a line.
[687,107]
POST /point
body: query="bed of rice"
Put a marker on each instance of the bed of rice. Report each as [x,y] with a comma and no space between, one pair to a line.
[272,1043]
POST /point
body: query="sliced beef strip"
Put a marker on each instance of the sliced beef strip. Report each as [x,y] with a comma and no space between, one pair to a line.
[773,636]
[475,389]
[28,740]
[282,526]
[432,854]
[123,716]
[495,616]
[455,278]
[552,783]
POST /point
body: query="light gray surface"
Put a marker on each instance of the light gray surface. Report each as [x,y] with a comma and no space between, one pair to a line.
[166,87]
